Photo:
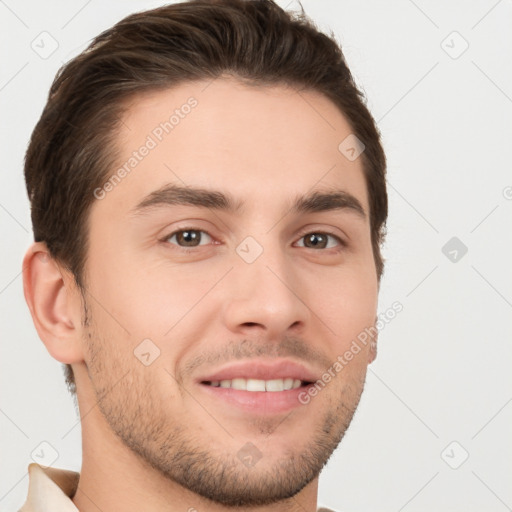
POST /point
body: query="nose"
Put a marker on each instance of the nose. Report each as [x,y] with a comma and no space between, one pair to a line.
[265,298]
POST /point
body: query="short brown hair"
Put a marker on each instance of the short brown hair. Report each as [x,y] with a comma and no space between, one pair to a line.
[72,148]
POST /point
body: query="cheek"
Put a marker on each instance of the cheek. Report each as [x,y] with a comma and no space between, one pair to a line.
[346,301]
[149,298]
[349,308]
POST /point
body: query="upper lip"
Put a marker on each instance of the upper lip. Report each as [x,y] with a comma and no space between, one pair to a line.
[262,370]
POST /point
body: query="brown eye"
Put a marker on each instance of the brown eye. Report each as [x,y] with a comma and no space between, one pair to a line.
[320,240]
[188,237]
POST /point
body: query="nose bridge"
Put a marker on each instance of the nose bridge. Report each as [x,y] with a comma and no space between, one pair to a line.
[263,288]
[270,272]
[267,257]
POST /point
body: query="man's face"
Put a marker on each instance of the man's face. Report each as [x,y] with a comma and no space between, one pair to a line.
[265,292]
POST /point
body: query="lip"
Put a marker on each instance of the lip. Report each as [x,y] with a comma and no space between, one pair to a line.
[261,403]
[262,370]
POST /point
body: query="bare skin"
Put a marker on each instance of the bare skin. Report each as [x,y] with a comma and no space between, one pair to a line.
[153,437]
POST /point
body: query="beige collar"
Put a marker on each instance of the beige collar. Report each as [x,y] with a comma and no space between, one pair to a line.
[50,489]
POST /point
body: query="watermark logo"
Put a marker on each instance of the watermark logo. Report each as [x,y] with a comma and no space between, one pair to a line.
[44,454]
[249,454]
[45,45]
[146,352]
[351,147]
[455,249]
[454,45]
[249,249]
[455,455]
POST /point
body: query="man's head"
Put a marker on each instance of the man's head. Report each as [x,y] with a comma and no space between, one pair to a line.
[245,119]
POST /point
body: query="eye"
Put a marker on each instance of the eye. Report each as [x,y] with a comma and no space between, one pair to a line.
[320,240]
[188,237]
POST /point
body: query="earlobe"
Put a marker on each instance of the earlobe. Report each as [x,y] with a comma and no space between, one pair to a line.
[52,302]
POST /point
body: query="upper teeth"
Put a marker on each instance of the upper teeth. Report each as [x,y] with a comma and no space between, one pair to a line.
[257,384]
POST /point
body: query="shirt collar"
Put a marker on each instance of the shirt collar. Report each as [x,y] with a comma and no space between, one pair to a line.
[50,489]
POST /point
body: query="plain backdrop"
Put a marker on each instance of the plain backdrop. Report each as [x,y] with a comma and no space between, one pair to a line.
[432,431]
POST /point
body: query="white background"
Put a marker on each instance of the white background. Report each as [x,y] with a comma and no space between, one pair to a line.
[443,371]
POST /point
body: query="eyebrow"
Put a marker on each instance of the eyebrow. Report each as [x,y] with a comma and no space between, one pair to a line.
[171,195]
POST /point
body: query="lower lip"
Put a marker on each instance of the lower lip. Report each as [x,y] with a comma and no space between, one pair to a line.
[259,402]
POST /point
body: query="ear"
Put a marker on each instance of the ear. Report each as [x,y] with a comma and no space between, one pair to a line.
[372,353]
[54,304]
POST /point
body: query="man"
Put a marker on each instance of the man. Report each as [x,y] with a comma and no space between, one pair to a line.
[208,200]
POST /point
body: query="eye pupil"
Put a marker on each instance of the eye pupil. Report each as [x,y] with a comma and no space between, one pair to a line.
[188,236]
[315,239]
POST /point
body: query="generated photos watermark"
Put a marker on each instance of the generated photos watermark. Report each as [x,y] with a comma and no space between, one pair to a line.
[366,336]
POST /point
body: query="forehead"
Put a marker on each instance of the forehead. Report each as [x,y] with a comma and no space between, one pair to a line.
[263,144]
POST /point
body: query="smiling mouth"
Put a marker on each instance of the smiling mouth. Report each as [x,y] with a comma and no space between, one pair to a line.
[272,385]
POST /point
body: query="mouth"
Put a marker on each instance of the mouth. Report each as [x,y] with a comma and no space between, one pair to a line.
[259,387]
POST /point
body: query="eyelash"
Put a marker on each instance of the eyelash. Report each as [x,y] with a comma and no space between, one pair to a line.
[342,243]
